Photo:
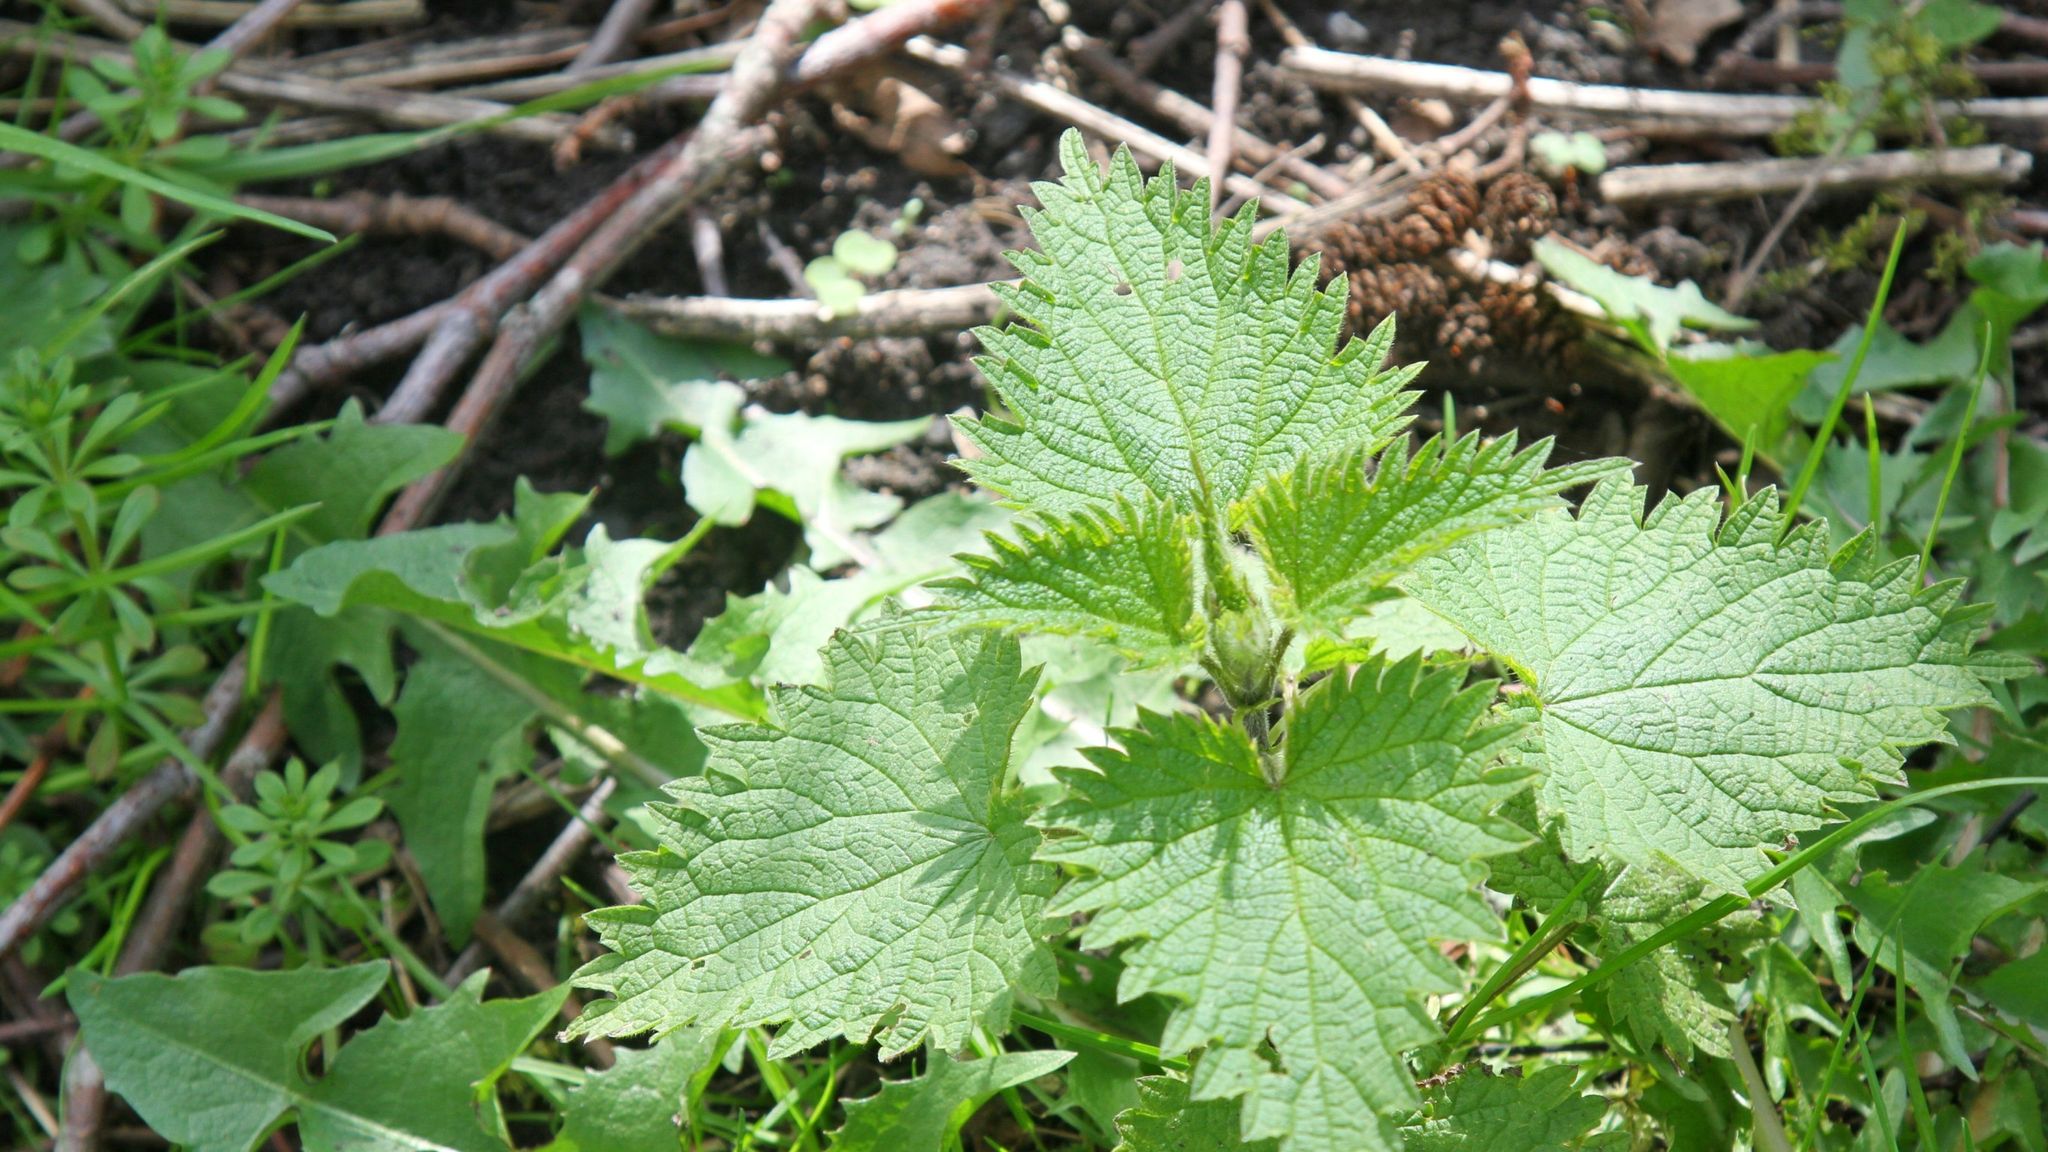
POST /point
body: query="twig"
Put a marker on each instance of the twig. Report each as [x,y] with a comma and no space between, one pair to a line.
[456,327]
[715,58]
[1747,70]
[398,215]
[1191,116]
[1069,108]
[1147,50]
[533,887]
[724,139]
[169,781]
[31,778]
[708,246]
[1233,44]
[1383,136]
[404,109]
[1738,284]
[150,937]
[405,62]
[899,312]
[352,14]
[109,17]
[614,34]
[1725,113]
[1983,166]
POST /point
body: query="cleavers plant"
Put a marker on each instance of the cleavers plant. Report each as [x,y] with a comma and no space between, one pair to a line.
[1210,482]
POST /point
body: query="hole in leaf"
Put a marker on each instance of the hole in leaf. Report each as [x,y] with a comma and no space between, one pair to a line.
[1123,288]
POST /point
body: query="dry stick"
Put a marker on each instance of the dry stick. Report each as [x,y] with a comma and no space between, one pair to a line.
[1067,107]
[462,323]
[1233,44]
[533,887]
[1724,113]
[398,215]
[712,59]
[1746,70]
[1985,166]
[354,14]
[724,138]
[1191,115]
[85,1091]
[614,34]
[150,937]
[1376,127]
[409,109]
[708,246]
[721,142]
[898,312]
[406,62]
[404,109]
[109,17]
[169,781]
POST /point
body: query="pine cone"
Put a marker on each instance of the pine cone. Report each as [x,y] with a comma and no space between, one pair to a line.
[1414,292]
[1519,207]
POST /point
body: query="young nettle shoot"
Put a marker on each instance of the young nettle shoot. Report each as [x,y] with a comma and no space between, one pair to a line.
[1211,479]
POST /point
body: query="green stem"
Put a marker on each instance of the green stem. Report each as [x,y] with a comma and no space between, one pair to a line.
[1826,432]
[1100,1041]
[1955,456]
[1723,906]
[1552,931]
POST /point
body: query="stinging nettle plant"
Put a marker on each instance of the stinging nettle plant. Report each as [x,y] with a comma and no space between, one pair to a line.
[1210,481]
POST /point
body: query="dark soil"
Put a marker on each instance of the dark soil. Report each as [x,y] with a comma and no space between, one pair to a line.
[827,181]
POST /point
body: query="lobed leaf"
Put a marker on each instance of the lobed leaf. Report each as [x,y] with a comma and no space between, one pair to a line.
[853,867]
[1706,689]
[921,1113]
[1299,914]
[1335,532]
[1159,356]
[1126,578]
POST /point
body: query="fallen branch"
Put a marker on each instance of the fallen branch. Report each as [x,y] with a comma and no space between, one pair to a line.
[351,14]
[727,136]
[168,782]
[1989,165]
[1071,109]
[1191,115]
[622,21]
[1724,113]
[397,215]
[526,896]
[1233,44]
[900,312]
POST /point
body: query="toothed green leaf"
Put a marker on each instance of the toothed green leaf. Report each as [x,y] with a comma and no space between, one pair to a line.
[1304,913]
[1126,578]
[1483,1111]
[1705,689]
[919,1114]
[853,867]
[1157,352]
[1334,532]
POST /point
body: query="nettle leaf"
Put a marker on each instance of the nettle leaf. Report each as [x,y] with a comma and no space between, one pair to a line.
[853,867]
[1672,997]
[919,1114]
[634,1105]
[1158,355]
[1334,533]
[1165,1120]
[1706,689]
[212,1058]
[1483,1111]
[1300,914]
[1126,578]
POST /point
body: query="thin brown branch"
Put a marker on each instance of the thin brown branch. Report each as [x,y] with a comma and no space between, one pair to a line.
[898,312]
[622,21]
[1989,165]
[526,896]
[397,215]
[1233,44]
